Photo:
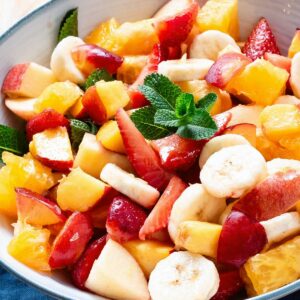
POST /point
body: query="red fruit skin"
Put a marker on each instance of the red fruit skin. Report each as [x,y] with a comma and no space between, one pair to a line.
[260,41]
[49,118]
[230,285]
[279,61]
[225,68]
[140,154]
[272,197]
[57,165]
[124,220]
[159,216]
[88,58]
[174,30]
[241,238]
[81,270]
[174,52]
[191,175]
[94,106]
[71,241]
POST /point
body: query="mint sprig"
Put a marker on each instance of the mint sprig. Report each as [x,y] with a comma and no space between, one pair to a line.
[173,111]
[69,25]
[97,75]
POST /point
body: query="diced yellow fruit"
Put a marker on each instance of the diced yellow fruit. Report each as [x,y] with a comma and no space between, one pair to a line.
[295,44]
[131,68]
[280,121]
[260,82]
[92,157]
[148,253]
[59,96]
[76,111]
[31,247]
[290,143]
[273,269]
[199,237]
[113,95]
[79,191]
[220,15]
[110,137]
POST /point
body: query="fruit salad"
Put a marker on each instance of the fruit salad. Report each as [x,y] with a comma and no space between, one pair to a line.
[160,158]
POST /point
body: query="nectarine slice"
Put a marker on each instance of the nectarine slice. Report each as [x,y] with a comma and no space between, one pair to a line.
[248,131]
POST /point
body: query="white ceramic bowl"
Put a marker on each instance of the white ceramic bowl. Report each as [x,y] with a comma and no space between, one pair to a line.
[33,39]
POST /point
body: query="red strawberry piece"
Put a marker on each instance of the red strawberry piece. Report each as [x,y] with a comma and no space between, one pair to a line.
[260,41]
[140,154]
[174,30]
[230,285]
[191,175]
[279,61]
[241,238]
[159,216]
[174,52]
[81,270]
[49,118]
[125,219]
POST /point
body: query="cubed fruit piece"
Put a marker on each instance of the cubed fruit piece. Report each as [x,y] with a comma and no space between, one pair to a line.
[60,96]
[273,269]
[245,114]
[79,191]
[295,44]
[78,111]
[22,107]
[220,15]
[279,61]
[148,253]
[245,84]
[49,118]
[92,157]
[117,275]
[110,137]
[31,247]
[71,241]
[52,148]
[37,210]
[248,131]
[27,80]
[199,237]
[280,121]
[113,95]
[81,270]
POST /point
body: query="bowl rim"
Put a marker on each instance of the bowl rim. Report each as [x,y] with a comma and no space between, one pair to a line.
[276,294]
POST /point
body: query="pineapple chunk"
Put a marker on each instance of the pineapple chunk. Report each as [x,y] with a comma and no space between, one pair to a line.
[295,44]
[77,111]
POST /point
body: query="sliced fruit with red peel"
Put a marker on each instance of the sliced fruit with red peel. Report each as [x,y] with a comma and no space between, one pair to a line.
[71,241]
[159,216]
[245,114]
[142,157]
[260,41]
[47,119]
[124,220]
[248,131]
[278,61]
[22,107]
[240,239]
[172,8]
[36,209]
[81,270]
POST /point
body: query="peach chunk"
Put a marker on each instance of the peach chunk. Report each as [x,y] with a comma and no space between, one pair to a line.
[246,130]
[78,111]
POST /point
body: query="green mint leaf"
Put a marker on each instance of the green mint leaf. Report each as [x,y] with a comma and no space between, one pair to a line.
[93,127]
[69,25]
[185,105]
[143,119]
[207,102]
[167,118]
[78,130]
[97,75]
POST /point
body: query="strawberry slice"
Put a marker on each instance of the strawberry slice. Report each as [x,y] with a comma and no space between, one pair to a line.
[260,41]
[279,61]
[49,118]
[159,216]
[142,157]
[174,30]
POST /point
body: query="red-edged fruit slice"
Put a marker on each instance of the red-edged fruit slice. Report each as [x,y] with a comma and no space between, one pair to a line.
[279,61]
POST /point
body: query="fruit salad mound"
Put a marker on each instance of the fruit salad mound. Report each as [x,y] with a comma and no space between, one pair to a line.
[160,158]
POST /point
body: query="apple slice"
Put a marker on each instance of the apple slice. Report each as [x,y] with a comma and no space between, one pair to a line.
[71,241]
[279,61]
[27,80]
[22,107]
[117,275]
[248,131]
[36,209]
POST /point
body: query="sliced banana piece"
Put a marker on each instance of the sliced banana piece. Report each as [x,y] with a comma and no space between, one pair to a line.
[282,165]
[219,143]
[62,64]
[295,75]
[233,171]
[195,204]
[185,69]
[209,43]
[184,275]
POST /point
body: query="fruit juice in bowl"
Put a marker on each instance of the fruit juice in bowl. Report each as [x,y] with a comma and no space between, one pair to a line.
[152,151]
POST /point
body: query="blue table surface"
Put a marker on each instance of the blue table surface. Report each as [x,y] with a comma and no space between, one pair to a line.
[12,288]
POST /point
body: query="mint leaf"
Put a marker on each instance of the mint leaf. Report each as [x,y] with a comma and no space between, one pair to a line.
[185,105]
[207,102]
[97,75]
[166,118]
[143,119]
[69,25]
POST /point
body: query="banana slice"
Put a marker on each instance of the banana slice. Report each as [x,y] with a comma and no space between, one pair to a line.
[295,75]
[185,69]
[184,275]
[233,171]
[62,64]
[195,204]
[282,165]
[219,143]
[209,43]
